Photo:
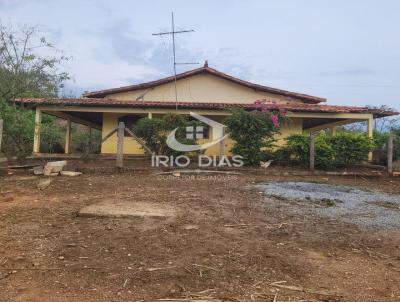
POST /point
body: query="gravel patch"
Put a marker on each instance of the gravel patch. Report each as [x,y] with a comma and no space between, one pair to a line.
[347,204]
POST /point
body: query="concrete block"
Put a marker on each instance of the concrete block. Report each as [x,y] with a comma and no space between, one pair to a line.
[70,173]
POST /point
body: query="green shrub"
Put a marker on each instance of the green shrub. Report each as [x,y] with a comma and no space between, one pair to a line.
[253,134]
[350,148]
[340,150]
[324,152]
[85,142]
[19,127]
[149,130]
[155,131]
[381,139]
[298,148]
[51,135]
[396,143]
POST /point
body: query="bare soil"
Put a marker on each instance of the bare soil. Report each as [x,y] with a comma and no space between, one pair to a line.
[225,241]
[114,207]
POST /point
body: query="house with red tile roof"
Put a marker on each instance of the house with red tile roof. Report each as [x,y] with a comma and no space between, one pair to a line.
[205,91]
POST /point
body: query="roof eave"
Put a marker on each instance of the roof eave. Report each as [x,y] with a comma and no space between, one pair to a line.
[101,102]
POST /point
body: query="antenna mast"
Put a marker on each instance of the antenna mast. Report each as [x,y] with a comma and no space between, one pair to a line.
[173,33]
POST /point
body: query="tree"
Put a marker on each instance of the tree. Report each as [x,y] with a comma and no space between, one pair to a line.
[382,124]
[29,67]
[19,125]
[385,124]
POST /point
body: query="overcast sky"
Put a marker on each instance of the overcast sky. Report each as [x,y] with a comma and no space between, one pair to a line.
[346,51]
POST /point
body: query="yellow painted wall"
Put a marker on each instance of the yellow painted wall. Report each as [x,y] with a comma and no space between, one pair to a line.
[201,88]
[110,122]
[292,126]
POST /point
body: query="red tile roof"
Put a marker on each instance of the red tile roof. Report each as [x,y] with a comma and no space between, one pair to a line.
[289,106]
[205,69]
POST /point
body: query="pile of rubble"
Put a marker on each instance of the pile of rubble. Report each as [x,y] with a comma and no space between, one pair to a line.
[54,168]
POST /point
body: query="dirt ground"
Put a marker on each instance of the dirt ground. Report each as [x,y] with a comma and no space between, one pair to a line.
[227,241]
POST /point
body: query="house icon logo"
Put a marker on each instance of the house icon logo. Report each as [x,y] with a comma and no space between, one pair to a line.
[197,133]
[194,132]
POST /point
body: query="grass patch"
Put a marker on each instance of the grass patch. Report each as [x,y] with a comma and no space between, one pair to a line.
[387,205]
[324,202]
[277,196]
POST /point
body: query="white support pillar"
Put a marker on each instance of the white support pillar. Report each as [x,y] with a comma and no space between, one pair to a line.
[68,137]
[150,116]
[370,129]
[36,137]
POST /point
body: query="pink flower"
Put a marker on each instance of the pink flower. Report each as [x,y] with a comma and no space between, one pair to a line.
[259,102]
[275,120]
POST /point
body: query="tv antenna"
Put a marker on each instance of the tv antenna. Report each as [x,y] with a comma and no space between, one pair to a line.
[173,33]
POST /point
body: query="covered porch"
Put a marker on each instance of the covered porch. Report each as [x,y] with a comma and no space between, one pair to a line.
[90,121]
[106,119]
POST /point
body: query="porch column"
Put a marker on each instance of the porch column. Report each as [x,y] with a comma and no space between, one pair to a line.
[370,129]
[150,116]
[68,137]
[334,130]
[36,137]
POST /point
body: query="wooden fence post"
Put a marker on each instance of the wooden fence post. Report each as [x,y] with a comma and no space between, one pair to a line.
[312,151]
[38,125]
[222,145]
[1,132]
[67,149]
[120,145]
[390,155]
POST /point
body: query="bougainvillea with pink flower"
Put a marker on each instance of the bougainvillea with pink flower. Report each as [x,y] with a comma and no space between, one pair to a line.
[276,111]
[254,131]
[275,120]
